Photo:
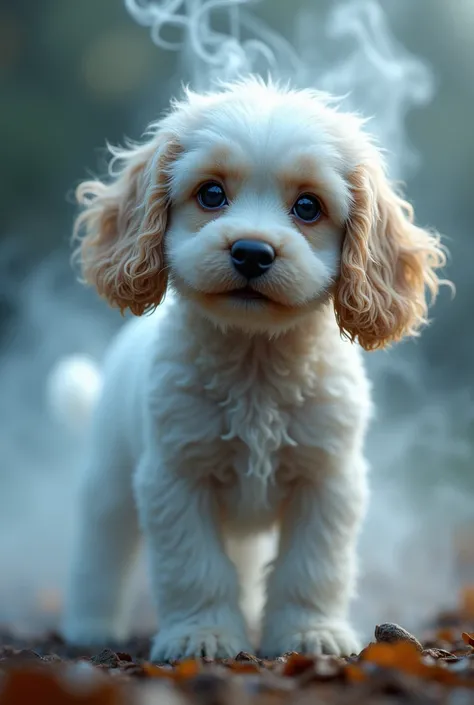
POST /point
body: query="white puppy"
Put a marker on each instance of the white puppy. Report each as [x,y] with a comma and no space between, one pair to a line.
[242,403]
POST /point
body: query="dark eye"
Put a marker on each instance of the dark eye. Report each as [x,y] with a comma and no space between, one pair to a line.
[212,196]
[307,208]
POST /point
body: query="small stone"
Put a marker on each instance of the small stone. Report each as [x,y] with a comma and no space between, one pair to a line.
[107,658]
[391,633]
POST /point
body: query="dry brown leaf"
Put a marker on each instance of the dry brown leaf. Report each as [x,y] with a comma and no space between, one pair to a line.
[187,669]
[243,667]
[354,673]
[439,654]
[402,655]
[246,657]
[26,687]
[182,671]
[123,656]
[297,664]
[154,671]
[468,638]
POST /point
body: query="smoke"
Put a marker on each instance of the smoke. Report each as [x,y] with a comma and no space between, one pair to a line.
[210,54]
[416,435]
[367,65]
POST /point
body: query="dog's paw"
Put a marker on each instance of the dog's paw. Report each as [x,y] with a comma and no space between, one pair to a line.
[334,638]
[194,641]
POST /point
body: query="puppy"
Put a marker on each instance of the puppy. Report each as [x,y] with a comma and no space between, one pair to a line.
[241,403]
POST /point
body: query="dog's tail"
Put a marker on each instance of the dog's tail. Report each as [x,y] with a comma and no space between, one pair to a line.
[72,389]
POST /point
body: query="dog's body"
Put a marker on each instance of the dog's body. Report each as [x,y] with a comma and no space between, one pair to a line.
[219,435]
[237,406]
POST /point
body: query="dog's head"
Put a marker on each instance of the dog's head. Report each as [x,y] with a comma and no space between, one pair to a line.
[259,205]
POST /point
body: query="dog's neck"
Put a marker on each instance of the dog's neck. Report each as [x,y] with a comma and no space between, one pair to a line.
[235,353]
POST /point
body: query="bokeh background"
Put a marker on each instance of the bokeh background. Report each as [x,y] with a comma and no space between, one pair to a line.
[75,74]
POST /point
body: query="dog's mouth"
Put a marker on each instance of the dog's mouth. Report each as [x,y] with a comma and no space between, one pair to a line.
[246,293]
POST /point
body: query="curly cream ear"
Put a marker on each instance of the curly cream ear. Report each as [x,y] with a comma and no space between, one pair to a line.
[387,265]
[122,226]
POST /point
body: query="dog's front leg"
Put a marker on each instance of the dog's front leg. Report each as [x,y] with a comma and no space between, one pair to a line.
[309,590]
[194,582]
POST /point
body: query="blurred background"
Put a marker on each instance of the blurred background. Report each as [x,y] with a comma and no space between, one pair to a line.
[75,74]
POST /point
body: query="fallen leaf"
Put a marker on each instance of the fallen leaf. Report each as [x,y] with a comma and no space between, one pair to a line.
[187,669]
[245,656]
[297,664]
[243,666]
[439,654]
[402,655]
[24,687]
[468,639]
[153,671]
[354,673]
[124,656]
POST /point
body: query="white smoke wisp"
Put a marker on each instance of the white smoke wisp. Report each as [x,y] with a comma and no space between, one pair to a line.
[376,74]
[212,54]
[382,79]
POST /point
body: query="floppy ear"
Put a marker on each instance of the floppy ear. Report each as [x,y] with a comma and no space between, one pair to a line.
[387,264]
[122,226]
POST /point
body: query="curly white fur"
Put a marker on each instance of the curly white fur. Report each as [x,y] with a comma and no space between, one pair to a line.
[222,418]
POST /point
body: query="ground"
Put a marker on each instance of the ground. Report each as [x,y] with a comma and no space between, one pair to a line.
[395,667]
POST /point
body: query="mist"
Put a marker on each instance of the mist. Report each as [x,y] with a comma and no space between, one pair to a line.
[421,441]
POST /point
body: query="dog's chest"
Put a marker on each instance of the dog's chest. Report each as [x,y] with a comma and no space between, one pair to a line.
[256,395]
[256,428]
[234,417]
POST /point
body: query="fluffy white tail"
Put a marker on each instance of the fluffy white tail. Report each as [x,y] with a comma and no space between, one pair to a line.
[72,389]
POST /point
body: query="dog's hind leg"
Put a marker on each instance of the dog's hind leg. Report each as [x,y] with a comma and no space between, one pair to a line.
[105,548]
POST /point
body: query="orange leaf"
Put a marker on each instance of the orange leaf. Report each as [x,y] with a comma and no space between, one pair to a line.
[297,664]
[402,655]
[187,669]
[242,667]
[21,686]
[354,673]
[154,671]
[468,639]
[381,654]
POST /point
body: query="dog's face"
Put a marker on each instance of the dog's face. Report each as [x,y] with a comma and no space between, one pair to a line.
[260,205]
[259,199]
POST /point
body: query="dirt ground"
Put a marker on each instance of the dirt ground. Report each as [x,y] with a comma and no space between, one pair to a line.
[395,667]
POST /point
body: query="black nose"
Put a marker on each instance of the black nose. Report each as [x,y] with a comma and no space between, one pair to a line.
[252,258]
